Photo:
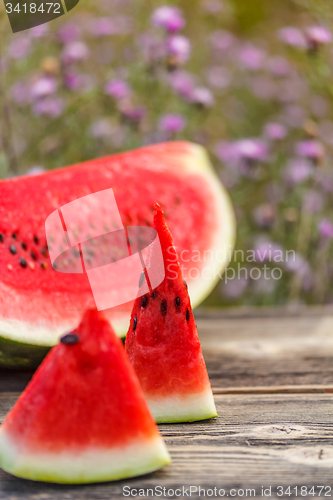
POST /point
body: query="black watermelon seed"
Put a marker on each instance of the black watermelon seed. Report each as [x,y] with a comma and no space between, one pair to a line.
[188,315]
[135,322]
[154,295]
[23,262]
[12,249]
[36,240]
[177,301]
[33,255]
[142,277]
[144,302]
[14,235]
[164,307]
[70,339]
[44,265]
[185,284]
[44,252]
[24,246]
[1,237]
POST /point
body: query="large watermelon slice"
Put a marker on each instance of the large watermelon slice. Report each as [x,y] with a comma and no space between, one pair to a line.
[38,304]
[83,417]
[164,347]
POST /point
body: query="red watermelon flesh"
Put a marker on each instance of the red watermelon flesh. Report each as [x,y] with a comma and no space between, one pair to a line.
[83,417]
[163,344]
[37,303]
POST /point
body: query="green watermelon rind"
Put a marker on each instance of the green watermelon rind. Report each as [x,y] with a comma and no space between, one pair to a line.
[85,467]
[14,354]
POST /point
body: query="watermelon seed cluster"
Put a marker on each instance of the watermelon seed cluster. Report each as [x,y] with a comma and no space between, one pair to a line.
[163,306]
[13,248]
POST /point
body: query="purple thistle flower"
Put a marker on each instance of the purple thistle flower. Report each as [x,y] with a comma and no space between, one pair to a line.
[267,251]
[318,35]
[180,47]
[75,52]
[172,123]
[251,149]
[152,48]
[279,66]
[310,149]
[251,57]
[102,26]
[222,40]
[218,77]
[107,26]
[50,106]
[225,151]
[297,171]
[182,83]
[39,31]
[326,228]
[275,131]
[72,80]
[265,215]
[169,18]
[68,33]
[293,37]
[20,47]
[118,89]
[264,87]
[233,153]
[203,96]
[44,86]
[133,114]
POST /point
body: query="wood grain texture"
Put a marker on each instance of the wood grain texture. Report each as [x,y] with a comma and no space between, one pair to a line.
[255,348]
[257,440]
[272,375]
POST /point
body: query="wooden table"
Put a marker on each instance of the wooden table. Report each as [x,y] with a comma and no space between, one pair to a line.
[272,376]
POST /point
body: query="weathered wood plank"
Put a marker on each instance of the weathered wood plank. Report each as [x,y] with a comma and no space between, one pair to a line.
[257,440]
[254,349]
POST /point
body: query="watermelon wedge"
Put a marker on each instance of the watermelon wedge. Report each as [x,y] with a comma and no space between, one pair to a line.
[38,304]
[83,417]
[163,344]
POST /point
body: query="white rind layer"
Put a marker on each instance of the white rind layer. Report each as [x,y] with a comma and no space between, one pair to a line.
[179,408]
[88,466]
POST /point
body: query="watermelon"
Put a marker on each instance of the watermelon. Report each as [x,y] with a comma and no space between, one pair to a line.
[38,303]
[83,418]
[163,344]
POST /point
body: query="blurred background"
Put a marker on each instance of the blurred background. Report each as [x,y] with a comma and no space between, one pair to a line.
[250,80]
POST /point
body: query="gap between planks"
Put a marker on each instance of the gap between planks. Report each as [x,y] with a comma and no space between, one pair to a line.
[274,389]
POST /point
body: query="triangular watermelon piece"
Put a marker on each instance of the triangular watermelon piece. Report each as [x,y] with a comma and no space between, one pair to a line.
[83,418]
[164,347]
